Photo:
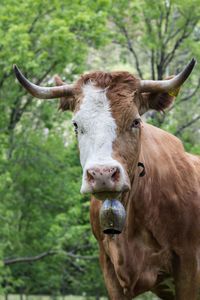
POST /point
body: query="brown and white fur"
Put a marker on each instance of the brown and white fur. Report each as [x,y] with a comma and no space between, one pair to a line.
[161,238]
[162,233]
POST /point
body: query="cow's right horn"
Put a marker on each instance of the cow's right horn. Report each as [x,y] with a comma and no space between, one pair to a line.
[167,86]
[43,92]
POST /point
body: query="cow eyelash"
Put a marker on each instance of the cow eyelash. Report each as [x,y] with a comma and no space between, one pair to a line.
[136,123]
[75,127]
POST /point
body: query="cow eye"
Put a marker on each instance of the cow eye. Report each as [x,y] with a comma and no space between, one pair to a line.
[136,123]
[75,127]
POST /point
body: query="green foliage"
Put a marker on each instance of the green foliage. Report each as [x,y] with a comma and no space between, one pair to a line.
[45,211]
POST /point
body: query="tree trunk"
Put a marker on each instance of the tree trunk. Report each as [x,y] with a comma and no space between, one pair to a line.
[6,296]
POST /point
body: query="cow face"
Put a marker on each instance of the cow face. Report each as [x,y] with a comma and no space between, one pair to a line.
[107,109]
[108,126]
[99,128]
[96,130]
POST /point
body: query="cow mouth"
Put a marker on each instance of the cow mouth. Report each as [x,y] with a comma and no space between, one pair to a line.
[102,195]
[106,195]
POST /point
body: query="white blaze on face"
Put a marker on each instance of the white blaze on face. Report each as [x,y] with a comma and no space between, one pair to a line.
[96,130]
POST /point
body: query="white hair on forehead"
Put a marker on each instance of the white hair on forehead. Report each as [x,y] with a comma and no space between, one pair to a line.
[90,90]
[97,127]
[91,84]
[96,132]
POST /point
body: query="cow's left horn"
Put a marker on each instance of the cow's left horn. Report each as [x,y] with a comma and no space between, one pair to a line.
[167,85]
[43,92]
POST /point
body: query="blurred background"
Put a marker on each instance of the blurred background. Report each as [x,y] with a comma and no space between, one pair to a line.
[46,244]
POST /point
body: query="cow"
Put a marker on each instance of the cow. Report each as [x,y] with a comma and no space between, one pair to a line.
[161,237]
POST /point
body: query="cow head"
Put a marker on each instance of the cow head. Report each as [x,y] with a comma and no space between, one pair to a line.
[107,121]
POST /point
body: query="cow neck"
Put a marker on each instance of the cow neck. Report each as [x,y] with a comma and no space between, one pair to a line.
[135,182]
[158,153]
[137,201]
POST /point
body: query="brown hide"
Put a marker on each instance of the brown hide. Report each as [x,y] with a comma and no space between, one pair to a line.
[161,237]
[163,218]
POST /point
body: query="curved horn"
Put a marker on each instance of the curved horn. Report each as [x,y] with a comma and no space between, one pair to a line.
[43,92]
[167,85]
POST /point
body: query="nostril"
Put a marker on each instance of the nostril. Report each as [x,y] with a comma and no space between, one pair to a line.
[116,174]
[102,174]
[90,175]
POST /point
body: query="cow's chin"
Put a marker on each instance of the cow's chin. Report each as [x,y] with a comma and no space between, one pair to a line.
[106,195]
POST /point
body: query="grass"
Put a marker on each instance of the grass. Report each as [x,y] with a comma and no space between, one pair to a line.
[42,297]
[146,296]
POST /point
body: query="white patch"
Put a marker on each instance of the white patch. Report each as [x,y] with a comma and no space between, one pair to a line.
[96,131]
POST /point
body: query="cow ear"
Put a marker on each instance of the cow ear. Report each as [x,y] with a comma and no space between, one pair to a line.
[157,101]
[66,103]
[58,80]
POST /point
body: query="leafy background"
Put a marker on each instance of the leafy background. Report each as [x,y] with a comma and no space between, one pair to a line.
[46,245]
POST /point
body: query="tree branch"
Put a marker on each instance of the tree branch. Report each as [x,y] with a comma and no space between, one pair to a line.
[130,48]
[159,24]
[168,11]
[18,111]
[178,132]
[186,98]
[172,35]
[152,65]
[85,257]
[169,57]
[31,259]
[5,76]
[40,15]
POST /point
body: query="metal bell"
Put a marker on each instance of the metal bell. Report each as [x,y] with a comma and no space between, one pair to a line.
[112,217]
